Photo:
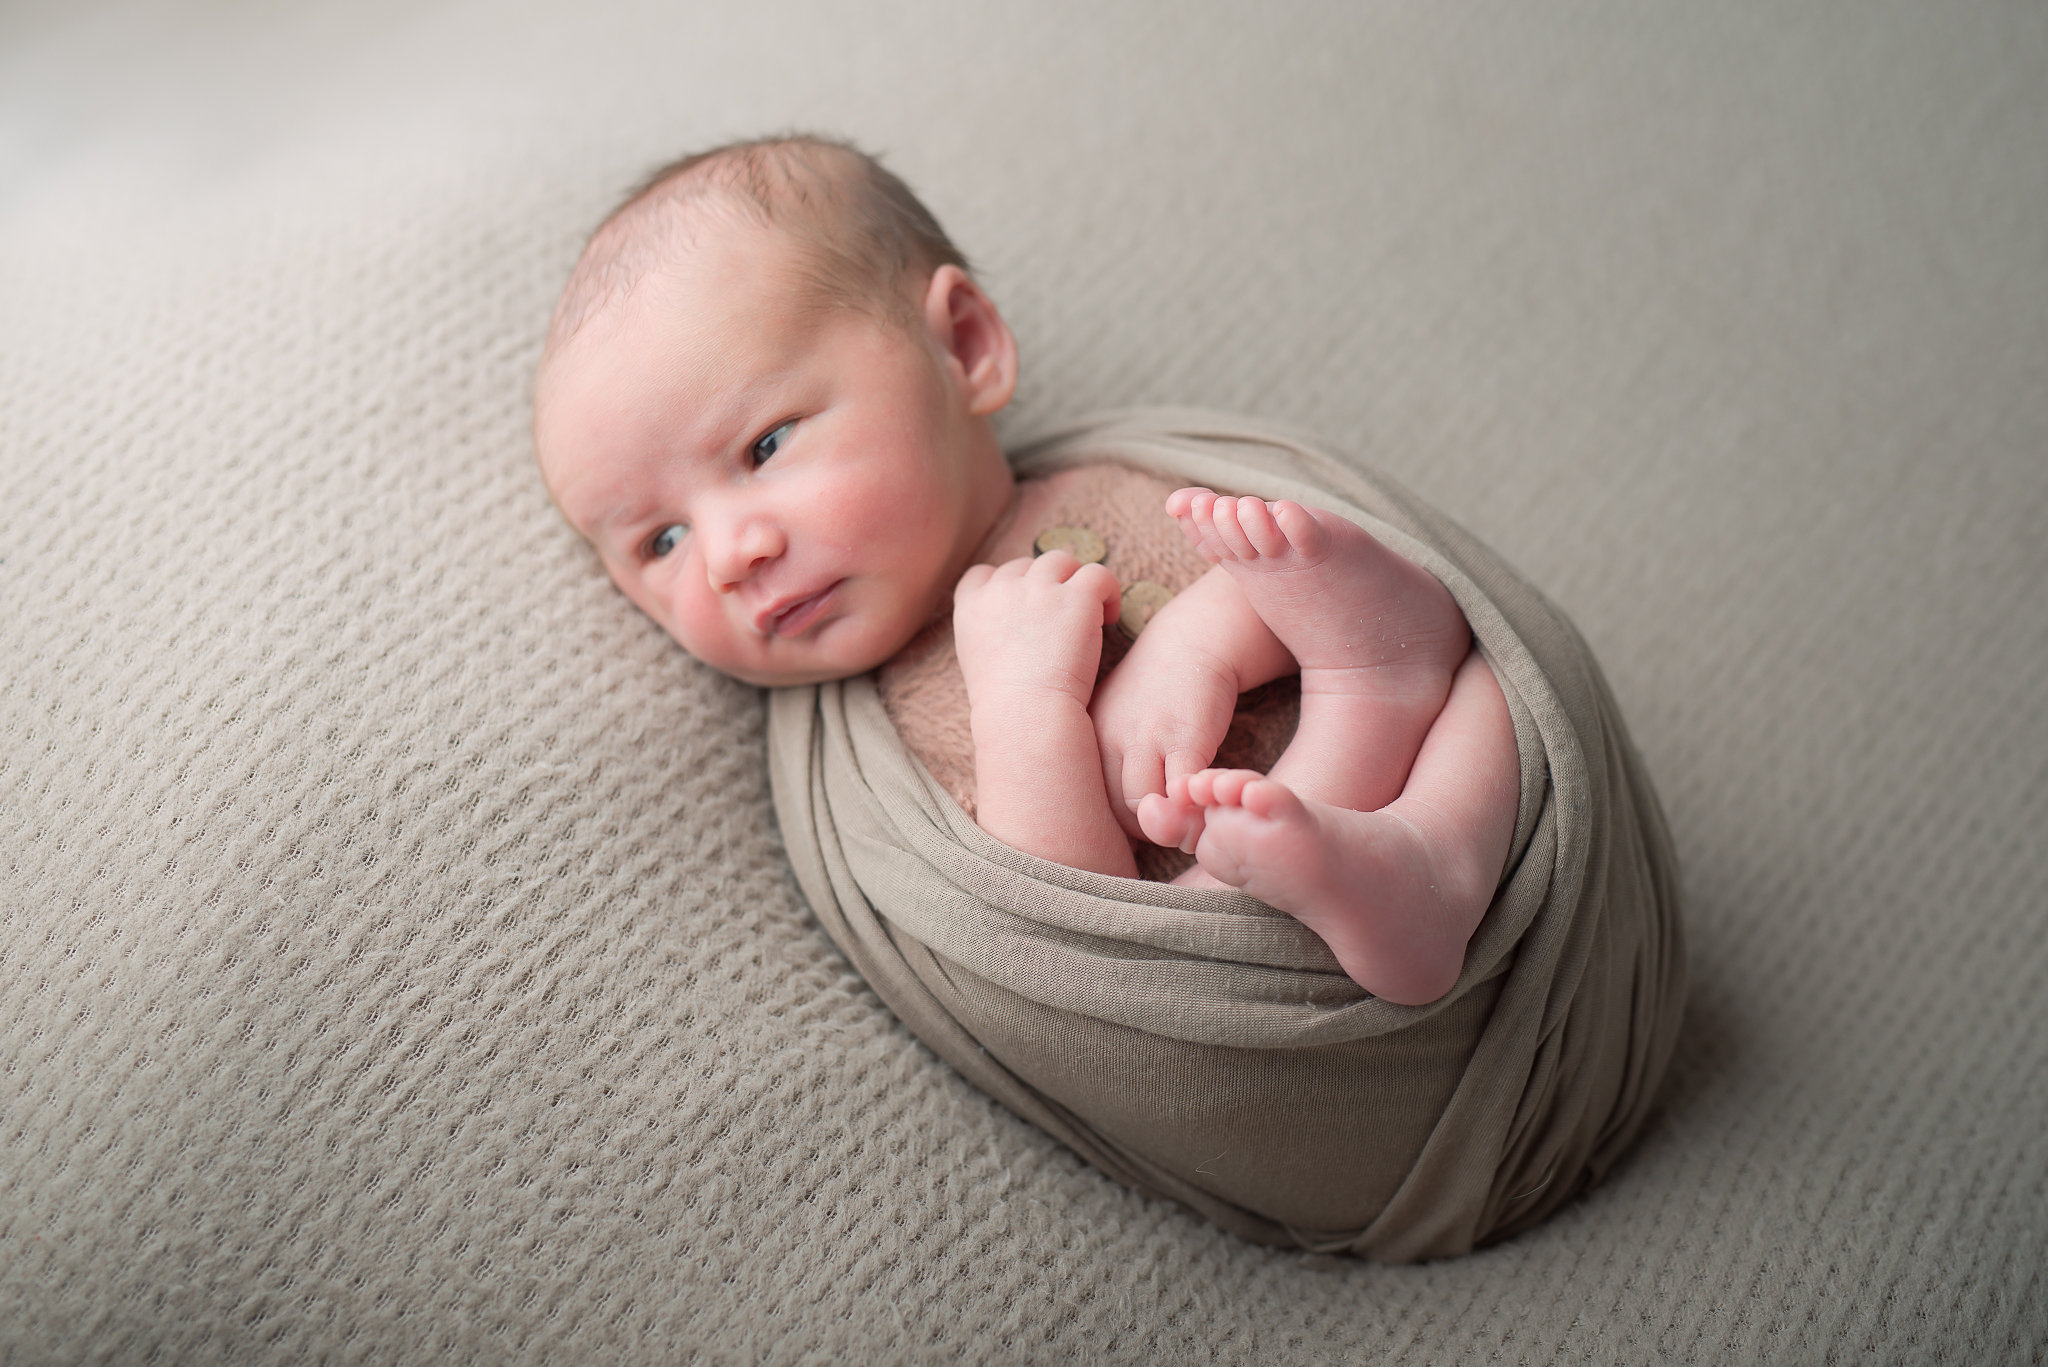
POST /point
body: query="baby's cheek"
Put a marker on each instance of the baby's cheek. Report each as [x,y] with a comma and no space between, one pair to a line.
[697,623]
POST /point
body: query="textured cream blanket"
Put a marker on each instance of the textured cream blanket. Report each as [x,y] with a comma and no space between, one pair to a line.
[1201,1046]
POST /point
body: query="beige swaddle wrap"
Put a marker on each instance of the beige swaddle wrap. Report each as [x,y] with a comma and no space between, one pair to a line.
[1199,1045]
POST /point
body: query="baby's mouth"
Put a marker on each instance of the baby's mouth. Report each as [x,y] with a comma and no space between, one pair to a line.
[793,619]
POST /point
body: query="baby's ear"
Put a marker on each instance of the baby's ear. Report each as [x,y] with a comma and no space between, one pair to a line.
[971,334]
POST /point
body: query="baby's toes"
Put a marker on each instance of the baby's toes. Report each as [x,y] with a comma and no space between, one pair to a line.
[1230,785]
[1220,787]
[1228,516]
[1193,515]
[1262,536]
[1302,529]
[1271,801]
[1176,825]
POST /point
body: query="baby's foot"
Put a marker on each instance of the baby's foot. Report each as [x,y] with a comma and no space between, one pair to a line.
[1172,819]
[1377,637]
[1329,590]
[1368,883]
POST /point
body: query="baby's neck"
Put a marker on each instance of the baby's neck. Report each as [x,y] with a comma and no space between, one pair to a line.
[1020,523]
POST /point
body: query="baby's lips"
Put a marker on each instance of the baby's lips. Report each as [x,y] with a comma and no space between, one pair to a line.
[790,616]
[767,616]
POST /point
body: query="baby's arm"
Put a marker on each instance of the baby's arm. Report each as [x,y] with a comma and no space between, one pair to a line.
[1029,637]
[1164,709]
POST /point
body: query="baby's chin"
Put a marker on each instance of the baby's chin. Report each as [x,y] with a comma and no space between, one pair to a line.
[796,673]
[787,678]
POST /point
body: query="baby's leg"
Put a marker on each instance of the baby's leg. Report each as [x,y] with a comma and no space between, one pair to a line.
[1377,638]
[1164,709]
[1396,893]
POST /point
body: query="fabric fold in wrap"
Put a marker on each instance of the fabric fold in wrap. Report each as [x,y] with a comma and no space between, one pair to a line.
[1201,1046]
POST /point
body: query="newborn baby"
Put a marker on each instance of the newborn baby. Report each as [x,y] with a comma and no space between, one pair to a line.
[767,401]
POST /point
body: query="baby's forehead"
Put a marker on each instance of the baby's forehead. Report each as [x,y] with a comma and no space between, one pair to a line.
[669,275]
[641,242]
[690,346]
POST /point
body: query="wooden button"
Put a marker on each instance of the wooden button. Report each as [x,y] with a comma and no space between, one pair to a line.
[1084,545]
[1141,601]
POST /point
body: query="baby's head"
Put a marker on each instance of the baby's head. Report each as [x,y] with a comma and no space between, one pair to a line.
[766,400]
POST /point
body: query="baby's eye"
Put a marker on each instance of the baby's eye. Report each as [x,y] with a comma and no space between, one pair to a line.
[667,539]
[772,443]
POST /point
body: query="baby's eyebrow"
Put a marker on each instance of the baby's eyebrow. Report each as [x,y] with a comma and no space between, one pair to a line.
[730,420]
[625,515]
[735,420]
[632,497]
[601,530]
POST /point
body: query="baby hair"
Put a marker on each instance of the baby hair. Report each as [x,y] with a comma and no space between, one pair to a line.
[858,228]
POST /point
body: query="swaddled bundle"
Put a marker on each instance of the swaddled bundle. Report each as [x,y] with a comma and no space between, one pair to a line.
[1201,1046]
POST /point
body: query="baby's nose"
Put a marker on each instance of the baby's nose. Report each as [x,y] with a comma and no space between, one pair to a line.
[739,555]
